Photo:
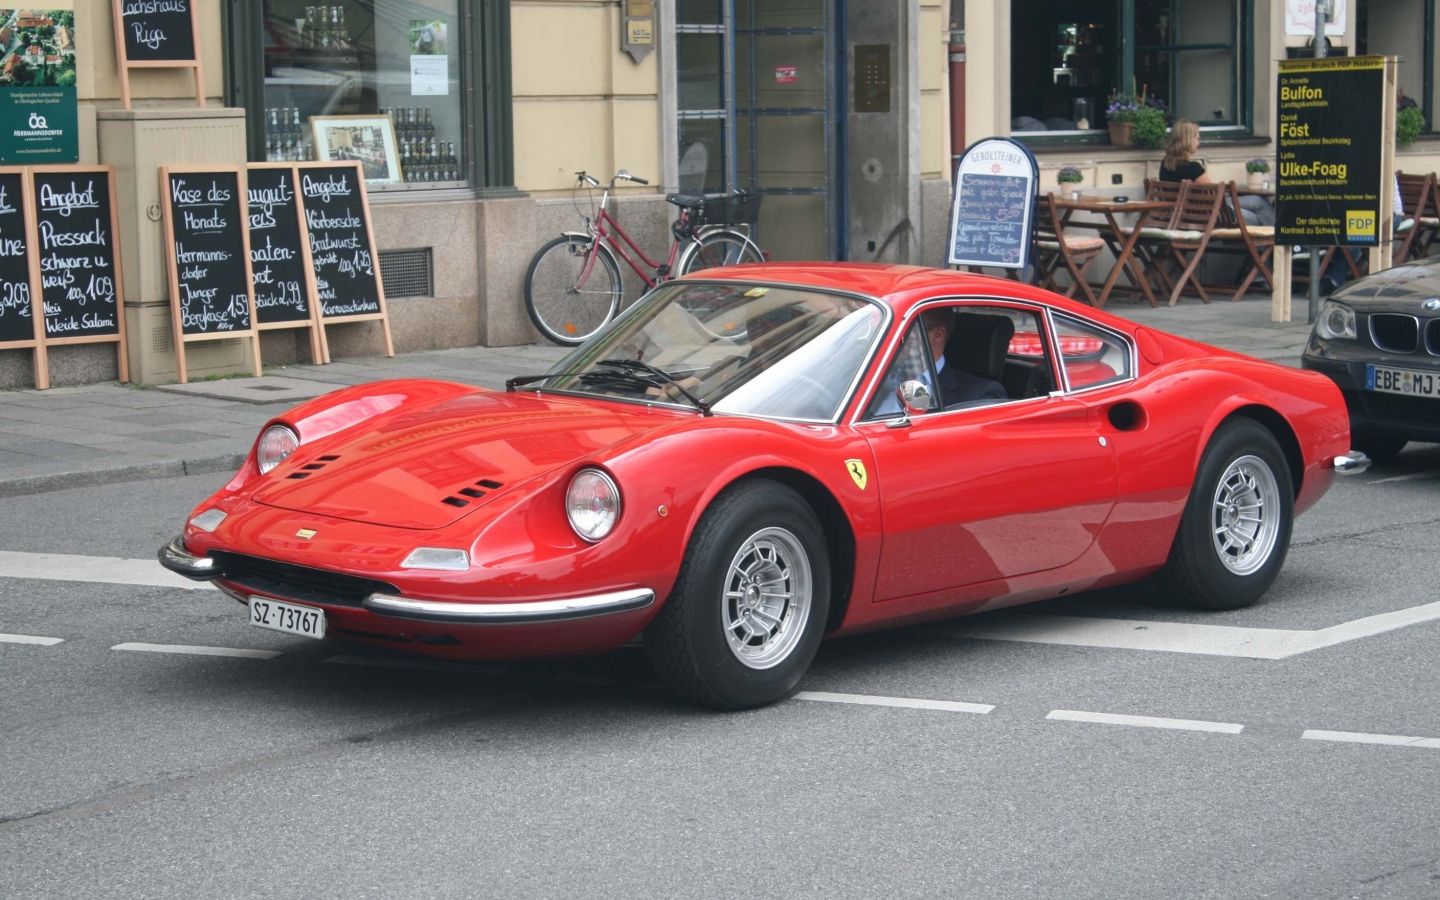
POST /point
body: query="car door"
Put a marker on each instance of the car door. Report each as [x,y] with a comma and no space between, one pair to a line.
[994,491]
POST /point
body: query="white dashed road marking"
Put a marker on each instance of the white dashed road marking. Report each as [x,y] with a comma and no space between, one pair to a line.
[1360,737]
[101,569]
[30,639]
[199,651]
[1076,715]
[1413,476]
[903,702]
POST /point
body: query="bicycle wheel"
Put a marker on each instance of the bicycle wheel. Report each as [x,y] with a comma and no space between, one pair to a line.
[719,248]
[571,293]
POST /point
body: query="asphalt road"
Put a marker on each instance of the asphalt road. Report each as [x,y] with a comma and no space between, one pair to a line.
[328,771]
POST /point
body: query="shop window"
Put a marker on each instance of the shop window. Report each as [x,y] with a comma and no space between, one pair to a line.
[1186,55]
[704,81]
[396,59]
[1404,29]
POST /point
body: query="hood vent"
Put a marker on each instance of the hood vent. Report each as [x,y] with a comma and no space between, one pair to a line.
[473,492]
[312,467]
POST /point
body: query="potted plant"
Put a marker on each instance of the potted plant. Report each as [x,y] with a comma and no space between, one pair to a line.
[1069,175]
[1120,115]
[1409,122]
[1255,172]
[1135,119]
[1147,129]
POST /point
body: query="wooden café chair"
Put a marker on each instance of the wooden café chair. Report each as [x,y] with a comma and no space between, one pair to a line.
[1154,224]
[1055,249]
[1255,242]
[1187,237]
[1420,220]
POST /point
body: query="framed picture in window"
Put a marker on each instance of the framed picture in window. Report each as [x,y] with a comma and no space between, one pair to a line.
[370,140]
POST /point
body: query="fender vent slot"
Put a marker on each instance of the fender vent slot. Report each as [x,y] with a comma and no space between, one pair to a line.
[455,501]
[298,475]
[474,492]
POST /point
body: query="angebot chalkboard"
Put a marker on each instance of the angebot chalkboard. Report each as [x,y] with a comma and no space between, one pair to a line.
[208,257]
[17,294]
[992,215]
[342,245]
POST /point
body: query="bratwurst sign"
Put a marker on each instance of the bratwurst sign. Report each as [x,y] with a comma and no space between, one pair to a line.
[1328,139]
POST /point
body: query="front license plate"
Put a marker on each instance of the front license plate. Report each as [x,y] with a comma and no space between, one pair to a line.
[306,621]
[1402,381]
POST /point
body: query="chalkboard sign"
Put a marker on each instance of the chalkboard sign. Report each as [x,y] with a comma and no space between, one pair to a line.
[158,30]
[17,298]
[277,258]
[993,210]
[157,34]
[77,246]
[208,257]
[342,248]
[207,224]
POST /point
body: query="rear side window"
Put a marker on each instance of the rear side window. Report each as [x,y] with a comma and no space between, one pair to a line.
[1091,356]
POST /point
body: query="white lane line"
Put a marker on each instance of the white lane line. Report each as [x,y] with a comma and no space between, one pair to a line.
[30,639]
[1360,737]
[102,569]
[1372,625]
[1076,715]
[428,665]
[903,702]
[198,651]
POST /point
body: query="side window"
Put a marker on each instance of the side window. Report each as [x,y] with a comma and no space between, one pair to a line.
[1092,357]
[981,355]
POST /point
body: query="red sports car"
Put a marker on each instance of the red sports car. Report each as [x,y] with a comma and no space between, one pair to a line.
[747,462]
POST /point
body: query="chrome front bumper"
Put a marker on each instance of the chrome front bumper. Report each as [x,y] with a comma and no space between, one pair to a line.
[1352,463]
[176,558]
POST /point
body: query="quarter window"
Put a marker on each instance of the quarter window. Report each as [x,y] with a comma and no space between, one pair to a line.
[1091,357]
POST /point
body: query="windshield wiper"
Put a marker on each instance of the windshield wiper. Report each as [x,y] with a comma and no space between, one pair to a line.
[633,374]
[635,365]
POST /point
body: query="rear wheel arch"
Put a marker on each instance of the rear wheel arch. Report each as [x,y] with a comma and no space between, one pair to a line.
[839,534]
[1284,435]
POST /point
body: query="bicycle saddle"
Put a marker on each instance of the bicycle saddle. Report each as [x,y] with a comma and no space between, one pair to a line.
[686,199]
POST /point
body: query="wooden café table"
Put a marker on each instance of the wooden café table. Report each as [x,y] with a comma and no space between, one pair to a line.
[1115,234]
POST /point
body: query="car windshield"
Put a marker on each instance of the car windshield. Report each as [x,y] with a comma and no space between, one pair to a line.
[760,350]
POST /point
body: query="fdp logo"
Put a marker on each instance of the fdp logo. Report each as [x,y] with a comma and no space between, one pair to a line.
[1360,224]
[37,121]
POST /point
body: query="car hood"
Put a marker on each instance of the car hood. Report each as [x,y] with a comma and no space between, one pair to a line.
[428,467]
[1399,289]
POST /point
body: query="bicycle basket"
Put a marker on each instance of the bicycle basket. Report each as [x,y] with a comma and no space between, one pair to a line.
[735,208]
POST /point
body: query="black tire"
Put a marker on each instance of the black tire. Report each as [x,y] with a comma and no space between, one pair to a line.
[1380,448]
[688,643]
[719,248]
[1208,568]
[563,310]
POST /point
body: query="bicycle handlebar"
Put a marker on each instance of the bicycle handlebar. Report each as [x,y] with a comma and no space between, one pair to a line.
[637,179]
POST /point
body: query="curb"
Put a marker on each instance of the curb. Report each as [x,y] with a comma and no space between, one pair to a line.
[41,484]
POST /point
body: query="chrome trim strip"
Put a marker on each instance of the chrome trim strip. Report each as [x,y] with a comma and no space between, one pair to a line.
[524,612]
[1352,463]
[177,559]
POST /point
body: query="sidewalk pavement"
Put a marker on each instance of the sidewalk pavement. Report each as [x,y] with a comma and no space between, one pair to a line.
[70,437]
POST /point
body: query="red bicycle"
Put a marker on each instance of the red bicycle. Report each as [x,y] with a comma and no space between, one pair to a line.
[573,286]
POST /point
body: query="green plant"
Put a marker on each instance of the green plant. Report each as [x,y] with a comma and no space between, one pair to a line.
[1148,127]
[1069,175]
[1409,122]
[1253,166]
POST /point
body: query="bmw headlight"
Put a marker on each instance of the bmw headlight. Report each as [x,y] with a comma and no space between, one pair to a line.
[276,443]
[1335,321]
[592,504]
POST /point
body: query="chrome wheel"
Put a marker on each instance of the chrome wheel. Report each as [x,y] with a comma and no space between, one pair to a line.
[1244,515]
[768,592]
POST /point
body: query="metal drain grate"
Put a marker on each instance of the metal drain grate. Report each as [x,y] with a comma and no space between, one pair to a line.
[408,273]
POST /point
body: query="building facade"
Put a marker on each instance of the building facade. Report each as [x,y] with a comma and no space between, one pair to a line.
[838,112]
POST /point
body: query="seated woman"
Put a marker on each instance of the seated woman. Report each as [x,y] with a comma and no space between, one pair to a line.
[1178,165]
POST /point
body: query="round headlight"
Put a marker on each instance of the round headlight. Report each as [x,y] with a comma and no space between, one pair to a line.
[1335,321]
[592,504]
[276,443]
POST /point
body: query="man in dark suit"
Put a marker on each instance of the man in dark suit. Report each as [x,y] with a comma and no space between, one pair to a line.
[956,385]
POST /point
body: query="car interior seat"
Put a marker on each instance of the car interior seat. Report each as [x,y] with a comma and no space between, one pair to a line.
[979,344]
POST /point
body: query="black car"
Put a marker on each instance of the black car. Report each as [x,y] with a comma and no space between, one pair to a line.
[1378,338]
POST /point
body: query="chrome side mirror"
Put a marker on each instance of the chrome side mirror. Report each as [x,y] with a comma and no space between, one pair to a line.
[914,397]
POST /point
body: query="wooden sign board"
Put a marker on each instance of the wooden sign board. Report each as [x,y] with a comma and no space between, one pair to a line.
[208,258]
[280,254]
[154,34]
[343,259]
[22,317]
[77,249]
[992,216]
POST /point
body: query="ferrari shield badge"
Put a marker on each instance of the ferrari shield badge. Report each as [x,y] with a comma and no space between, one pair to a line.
[305,534]
[856,468]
